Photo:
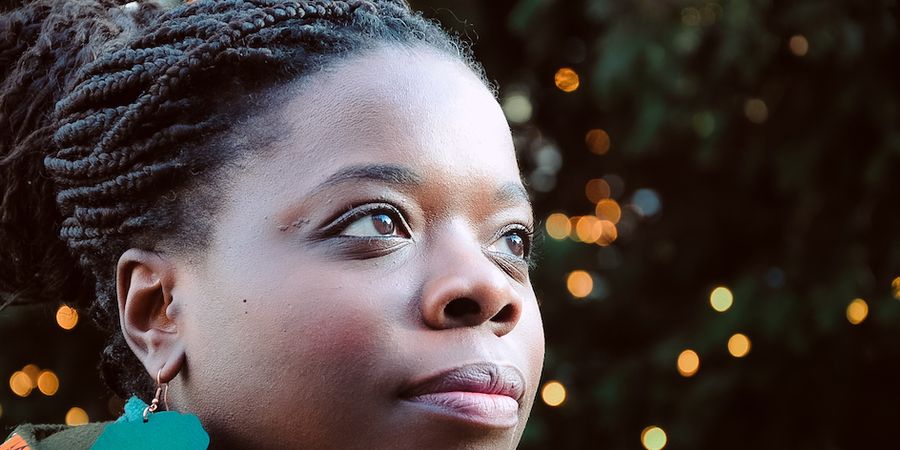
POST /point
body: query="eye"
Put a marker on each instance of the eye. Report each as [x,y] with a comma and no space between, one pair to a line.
[379,223]
[514,242]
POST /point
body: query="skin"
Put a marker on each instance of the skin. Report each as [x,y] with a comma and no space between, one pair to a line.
[280,335]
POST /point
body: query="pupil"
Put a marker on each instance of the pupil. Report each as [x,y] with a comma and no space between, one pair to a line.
[383,224]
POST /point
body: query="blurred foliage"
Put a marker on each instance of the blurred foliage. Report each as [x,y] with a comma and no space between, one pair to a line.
[776,163]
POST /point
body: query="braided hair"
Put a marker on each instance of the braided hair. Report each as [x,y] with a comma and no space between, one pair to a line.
[115,125]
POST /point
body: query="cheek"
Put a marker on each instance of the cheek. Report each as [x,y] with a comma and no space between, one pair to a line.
[304,341]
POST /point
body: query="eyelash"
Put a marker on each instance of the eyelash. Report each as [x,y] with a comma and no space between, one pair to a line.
[354,212]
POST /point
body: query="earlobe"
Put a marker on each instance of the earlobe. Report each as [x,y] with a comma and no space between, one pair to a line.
[144,285]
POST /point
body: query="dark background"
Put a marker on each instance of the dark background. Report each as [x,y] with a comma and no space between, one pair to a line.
[769,134]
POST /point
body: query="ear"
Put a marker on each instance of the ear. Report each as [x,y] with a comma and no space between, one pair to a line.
[144,283]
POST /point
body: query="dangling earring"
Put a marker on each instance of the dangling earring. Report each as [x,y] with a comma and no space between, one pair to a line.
[153,429]
[154,404]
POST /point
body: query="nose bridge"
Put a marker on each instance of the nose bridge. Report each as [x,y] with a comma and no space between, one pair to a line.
[464,288]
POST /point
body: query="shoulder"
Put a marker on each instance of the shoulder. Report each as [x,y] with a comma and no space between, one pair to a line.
[51,437]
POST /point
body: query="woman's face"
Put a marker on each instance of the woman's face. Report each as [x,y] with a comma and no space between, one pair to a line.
[365,286]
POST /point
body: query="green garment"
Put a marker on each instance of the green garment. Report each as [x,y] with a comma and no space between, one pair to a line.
[62,437]
[166,429]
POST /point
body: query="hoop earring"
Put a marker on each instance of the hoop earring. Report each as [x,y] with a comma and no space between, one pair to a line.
[154,404]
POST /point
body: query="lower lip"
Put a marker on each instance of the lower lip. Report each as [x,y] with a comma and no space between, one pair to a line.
[491,410]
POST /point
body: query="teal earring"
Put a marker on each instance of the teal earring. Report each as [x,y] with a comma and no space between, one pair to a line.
[142,427]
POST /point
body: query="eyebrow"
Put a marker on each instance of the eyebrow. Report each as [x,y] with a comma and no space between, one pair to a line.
[513,192]
[510,192]
[388,173]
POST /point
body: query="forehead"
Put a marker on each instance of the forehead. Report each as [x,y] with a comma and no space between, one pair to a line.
[393,105]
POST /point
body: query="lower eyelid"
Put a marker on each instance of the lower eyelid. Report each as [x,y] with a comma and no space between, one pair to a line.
[359,247]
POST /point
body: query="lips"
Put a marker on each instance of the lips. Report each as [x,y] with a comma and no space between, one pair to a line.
[482,394]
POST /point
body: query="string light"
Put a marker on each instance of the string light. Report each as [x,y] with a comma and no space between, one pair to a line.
[33,371]
[608,233]
[66,317]
[20,384]
[597,141]
[597,190]
[76,416]
[756,110]
[48,383]
[587,229]
[517,107]
[553,393]
[721,299]
[566,79]
[646,202]
[653,438]
[558,226]
[739,345]
[579,283]
[688,363]
[798,45]
[857,311]
[609,209]
[895,288]
[573,226]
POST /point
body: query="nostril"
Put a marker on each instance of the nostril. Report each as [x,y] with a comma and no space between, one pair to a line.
[462,307]
[504,315]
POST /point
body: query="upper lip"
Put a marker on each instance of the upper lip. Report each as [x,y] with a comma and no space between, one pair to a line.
[484,377]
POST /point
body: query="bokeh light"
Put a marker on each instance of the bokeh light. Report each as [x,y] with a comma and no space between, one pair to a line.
[33,371]
[646,202]
[76,416]
[653,438]
[895,288]
[517,107]
[688,363]
[573,223]
[596,190]
[609,209]
[721,299]
[588,229]
[857,311]
[798,45]
[597,141]
[66,317]
[20,384]
[553,393]
[566,79]
[608,233]
[756,110]
[739,345]
[579,283]
[48,383]
[558,226]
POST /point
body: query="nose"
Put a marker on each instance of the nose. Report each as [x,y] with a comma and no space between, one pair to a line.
[465,288]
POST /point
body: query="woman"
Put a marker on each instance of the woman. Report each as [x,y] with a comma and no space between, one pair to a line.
[302,221]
